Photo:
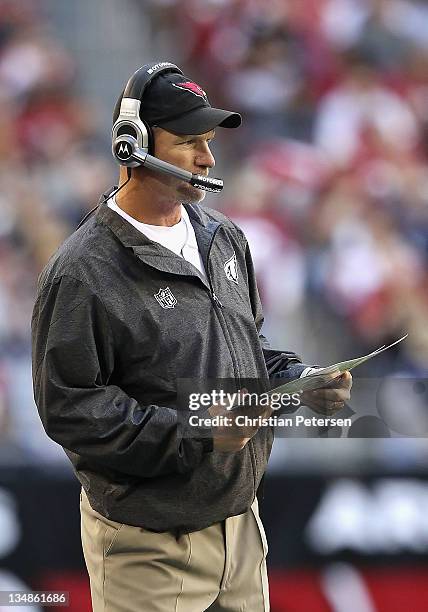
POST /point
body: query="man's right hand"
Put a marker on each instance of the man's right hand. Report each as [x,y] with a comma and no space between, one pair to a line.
[232,437]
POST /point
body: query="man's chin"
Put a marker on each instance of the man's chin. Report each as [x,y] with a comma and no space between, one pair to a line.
[190,194]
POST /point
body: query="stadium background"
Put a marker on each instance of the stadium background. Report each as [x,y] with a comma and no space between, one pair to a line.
[328,178]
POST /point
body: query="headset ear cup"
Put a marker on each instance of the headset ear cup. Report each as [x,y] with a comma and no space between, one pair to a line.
[142,133]
[121,129]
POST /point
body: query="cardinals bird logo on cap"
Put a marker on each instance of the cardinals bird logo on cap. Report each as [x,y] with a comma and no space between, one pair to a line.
[192,87]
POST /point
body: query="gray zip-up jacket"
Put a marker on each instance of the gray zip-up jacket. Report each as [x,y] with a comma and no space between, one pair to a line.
[117,321]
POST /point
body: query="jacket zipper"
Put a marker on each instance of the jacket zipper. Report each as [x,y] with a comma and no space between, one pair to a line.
[223,323]
[216,300]
[220,316]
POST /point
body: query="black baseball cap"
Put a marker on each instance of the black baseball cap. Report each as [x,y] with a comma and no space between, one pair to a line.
[179,105]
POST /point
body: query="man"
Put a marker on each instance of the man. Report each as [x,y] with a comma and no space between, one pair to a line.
[152,289]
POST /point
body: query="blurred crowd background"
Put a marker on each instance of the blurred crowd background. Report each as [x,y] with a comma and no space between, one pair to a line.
[328,177]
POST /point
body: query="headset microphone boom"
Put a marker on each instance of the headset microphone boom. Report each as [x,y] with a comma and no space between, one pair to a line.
[127,151]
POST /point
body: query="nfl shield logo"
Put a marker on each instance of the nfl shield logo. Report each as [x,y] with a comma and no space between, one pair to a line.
[231,269]
[165,298]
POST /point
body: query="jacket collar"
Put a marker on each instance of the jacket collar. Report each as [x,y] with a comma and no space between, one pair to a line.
[130,236]
[152,252]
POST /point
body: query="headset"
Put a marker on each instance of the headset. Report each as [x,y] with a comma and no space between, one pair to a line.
[132,137]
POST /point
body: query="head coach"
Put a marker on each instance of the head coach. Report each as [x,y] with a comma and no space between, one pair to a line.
[151,288]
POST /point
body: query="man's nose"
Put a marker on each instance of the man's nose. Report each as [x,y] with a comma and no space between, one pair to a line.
[205,158]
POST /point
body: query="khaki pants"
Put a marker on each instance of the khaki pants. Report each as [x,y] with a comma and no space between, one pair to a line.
[220,568]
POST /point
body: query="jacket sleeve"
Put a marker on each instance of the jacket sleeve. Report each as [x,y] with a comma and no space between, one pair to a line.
[73,359]
[280,364]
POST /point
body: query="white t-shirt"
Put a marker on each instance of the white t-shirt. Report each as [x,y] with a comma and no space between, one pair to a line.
[179,238]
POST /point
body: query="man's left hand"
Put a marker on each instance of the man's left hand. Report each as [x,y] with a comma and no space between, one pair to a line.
[329,399]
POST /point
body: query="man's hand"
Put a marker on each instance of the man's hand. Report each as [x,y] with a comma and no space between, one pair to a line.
[232,438]
[331,398]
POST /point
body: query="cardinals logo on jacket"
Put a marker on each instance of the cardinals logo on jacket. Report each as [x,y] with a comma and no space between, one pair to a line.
[231,269]
[193,88]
